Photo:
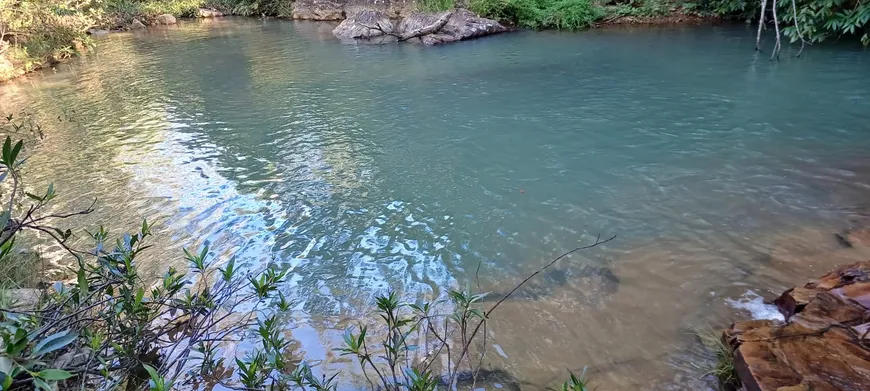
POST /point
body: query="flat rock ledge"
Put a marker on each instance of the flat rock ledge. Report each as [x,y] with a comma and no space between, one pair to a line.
[824,343]
[428,28]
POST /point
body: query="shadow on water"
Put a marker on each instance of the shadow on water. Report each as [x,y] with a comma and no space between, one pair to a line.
[493,378]
[591,283]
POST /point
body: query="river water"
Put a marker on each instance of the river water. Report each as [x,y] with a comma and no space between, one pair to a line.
[362,167]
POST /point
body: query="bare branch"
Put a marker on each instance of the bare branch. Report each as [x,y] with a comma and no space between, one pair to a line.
[797,28]
[89,210]
[760,25]
[778,47]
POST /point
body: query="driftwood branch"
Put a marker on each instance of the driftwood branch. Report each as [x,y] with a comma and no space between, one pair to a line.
[426,30]
[380,28]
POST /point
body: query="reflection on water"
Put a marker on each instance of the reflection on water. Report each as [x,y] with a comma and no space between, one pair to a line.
[365,167]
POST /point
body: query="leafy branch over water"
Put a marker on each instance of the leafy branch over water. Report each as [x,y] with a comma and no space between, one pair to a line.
[112,328]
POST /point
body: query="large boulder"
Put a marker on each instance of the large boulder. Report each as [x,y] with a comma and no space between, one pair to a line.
[137,25]
[461,25]
[208,13]
[165,19]
[363,25]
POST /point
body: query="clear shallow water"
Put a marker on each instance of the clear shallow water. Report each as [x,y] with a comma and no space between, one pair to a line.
[361,167]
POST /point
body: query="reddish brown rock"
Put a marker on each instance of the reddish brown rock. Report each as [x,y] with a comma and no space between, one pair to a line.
[794,300]
[824,345]
[843,275]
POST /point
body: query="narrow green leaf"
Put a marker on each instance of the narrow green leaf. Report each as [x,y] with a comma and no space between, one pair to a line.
[140,293]
[54,342]
[15,150]
[83,283]
[41,384]
[151,372]
[7,150]
[54,374]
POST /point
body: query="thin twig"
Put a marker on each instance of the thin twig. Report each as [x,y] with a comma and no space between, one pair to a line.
[486,315]
[89,210]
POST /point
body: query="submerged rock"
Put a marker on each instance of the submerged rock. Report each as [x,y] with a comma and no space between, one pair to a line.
[822,345]
[462,24]
[137,25]
[360,25]
[165,19]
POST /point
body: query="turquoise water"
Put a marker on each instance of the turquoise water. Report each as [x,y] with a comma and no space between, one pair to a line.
[360,167]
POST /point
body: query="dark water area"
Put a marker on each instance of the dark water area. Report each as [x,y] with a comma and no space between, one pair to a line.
[363,167]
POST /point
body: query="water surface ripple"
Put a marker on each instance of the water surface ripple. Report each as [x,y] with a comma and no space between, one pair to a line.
[361,167]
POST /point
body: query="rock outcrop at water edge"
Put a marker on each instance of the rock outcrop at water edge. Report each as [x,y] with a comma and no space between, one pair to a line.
[364,25]
[208,13]
[462,24]
[165,19]
[823,345]
[430,29]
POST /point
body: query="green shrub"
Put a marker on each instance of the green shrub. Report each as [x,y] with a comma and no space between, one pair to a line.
[122,12]
[639,9]
[572,14]
[44,31]
[280,8]
[541,14]
[523,13]
[435,5]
